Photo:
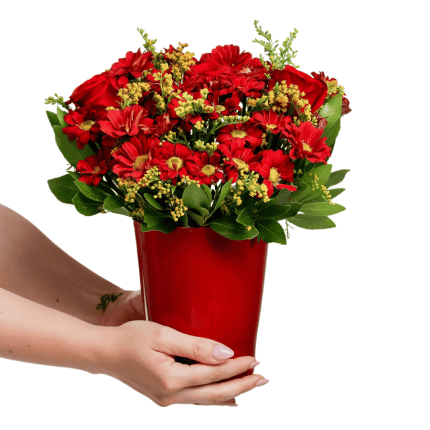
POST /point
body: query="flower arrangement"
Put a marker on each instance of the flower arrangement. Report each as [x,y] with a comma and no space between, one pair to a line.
[231,141]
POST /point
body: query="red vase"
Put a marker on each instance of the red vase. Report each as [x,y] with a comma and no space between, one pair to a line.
[202,284]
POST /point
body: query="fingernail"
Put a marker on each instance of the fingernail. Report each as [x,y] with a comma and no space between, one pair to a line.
[232,404]
[261,382]
[221,352]
[252,365]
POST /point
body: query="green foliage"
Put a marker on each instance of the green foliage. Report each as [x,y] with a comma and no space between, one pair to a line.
[336,177]
[311,222]
[90,191]
[321,209]
[331,134]
[115,204]
[222,195]
[195,198]
[246,214]
[334,192]
[86,206]
[229,228]
[63,188]
[52,117]
[281,57]
[153,202]
[152,217]
[69,149]
[331,110]
[270,231]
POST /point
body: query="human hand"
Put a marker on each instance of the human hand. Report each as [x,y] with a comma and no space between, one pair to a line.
[127,307]
[142,354]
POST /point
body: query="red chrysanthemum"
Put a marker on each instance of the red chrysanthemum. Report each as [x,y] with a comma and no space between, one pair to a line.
[133,64]
[241,86]
[94,167]
[274,167]
[315,89]
[306,142]
[129,121]
[134,157]
[205,169]
[163,124]
[170,159]
[83,125]
[227,55]
[253,70]
[238,158]
[229,107]
[271,121]
[241,133]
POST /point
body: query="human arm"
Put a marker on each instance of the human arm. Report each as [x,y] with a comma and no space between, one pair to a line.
[32,266]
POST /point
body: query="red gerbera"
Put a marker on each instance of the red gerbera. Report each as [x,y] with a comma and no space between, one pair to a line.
[133,63]
[241,133]
[83,125]
[170,159]
[271,121]
[241,86]
[227,55]
[163,124]
[254,69]
[276,166]
[229,107]
[306,142]
[238,157]
[205,169]
[94,167]
[135,156]
[129,121]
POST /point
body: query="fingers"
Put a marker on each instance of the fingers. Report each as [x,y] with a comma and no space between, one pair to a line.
[201,374]
[217,393]
[231,402]
[200,349]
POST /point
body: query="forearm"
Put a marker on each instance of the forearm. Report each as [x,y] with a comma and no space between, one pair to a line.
[34,333]
[33,267]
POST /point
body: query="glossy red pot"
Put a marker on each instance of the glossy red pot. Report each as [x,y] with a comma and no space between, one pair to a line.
[202,284]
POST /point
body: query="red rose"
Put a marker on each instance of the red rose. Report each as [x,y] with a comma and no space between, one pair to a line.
[100,90]
[315,89]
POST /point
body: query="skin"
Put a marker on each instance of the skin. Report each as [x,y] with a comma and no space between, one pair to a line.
[62,327]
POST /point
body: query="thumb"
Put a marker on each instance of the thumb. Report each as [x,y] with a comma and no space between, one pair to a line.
[200,349]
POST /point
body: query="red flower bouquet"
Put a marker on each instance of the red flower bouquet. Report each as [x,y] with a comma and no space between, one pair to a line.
[230,144]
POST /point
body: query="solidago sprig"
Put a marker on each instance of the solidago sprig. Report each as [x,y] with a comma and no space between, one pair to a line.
[283,56]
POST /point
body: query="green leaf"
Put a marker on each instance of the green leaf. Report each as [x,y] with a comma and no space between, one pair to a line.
[164,227]
[184,220]
[86,206]
[334,192]
[303,191]
[270,231]
[69,149]
[207,190]
[331,133]
[323,172]
[224,190]
[74,175]
[229,228]
[52,118]
[196,199]
[63,188]
[113,202]
[91,192]
[332,110]
[283,196]
[60,116]
[312,222]
[153,217]
[321,209]
[197,218]
[246,214]
[336,177]
[153,202]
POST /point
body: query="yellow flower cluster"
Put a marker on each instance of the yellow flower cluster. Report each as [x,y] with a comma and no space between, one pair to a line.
[181,61]
[316,186]
[133,92]
[178,208]
[327,195]
[210,148]
[334,88]
[191,106]
[137,213]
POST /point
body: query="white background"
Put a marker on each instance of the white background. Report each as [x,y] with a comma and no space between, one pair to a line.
[344,331]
